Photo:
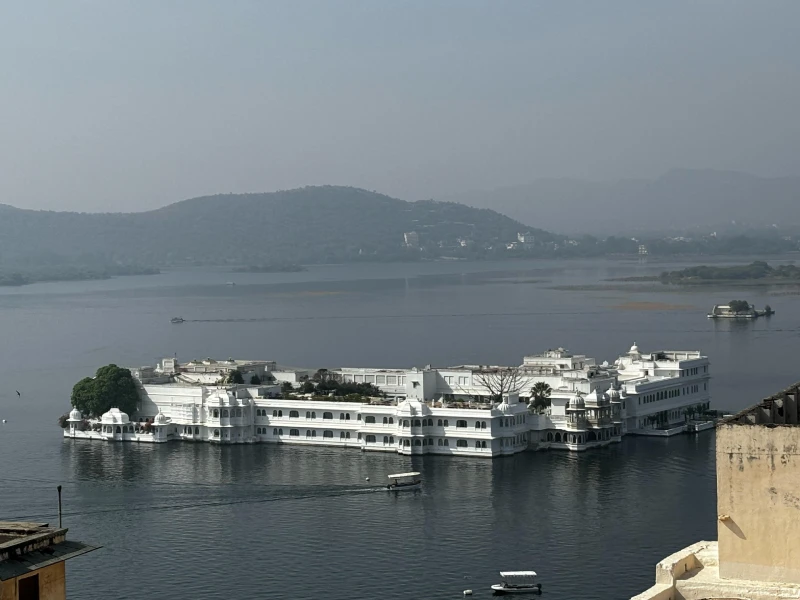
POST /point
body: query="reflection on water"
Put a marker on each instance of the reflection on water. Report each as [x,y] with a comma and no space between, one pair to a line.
[195,520]
[263,518]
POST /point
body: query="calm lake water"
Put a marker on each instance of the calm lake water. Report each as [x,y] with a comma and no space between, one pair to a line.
[187,521]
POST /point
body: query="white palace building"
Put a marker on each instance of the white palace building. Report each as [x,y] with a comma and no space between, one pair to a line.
[426,410]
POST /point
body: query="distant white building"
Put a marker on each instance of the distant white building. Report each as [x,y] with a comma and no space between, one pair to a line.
[526,239]
[426,410]
[411,239]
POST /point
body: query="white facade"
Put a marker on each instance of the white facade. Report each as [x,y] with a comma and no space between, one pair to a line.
[426,411]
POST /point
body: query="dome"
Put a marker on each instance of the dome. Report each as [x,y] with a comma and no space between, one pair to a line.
[161,419]
[576,403]
[115,416]
[613,394]
[634,349]
[75,415]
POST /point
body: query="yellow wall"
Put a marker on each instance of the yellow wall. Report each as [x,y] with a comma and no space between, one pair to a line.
[52,584]
[758,488]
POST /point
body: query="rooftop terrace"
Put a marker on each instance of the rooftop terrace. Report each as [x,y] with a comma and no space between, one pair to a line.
[26,547]
[782,408]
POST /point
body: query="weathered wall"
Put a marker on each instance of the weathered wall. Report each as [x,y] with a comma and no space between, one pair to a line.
[52,584]
[758,489]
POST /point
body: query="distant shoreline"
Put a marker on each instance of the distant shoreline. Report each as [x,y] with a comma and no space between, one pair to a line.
[15,277]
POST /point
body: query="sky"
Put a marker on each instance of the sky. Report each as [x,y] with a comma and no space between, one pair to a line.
[115,105]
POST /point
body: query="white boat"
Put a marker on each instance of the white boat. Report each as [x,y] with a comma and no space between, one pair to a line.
[404,481]
[518,582]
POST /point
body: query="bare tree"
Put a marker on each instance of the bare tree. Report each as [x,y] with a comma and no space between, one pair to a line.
[500,381]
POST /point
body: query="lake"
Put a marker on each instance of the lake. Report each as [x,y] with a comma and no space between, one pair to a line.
[257,521]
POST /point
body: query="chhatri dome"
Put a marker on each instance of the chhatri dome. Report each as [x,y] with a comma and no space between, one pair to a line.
[75,415]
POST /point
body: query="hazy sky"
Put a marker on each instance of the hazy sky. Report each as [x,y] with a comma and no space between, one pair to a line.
[129,105]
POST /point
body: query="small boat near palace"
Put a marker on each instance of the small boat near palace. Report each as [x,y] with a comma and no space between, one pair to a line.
[177,320]
[404,481]
[517,582]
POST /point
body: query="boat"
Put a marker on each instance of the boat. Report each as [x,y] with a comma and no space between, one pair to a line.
[404,481]
[517,582]
[177,320]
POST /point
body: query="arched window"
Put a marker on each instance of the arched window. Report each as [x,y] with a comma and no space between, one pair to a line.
[406,443]
[308,433]
[274,432]
[293,414]
[549,436]
[483,444]
[341,435]
[294,432]
[385,420]
[341,416]
[197,431]
[313,415]
[280,413]
[327,434]
[417,443]
[216,433]
[225,413]
[308,414]
[483,424]
[391,420]
[346,416]
[385,440]
[405,422]
[274,413]
[461,443]
[313,433]
[439,423]
[424,442]
[238,412]
[477,424]
[391,439]
[446,423]
[477,443]
[416,423]
[118,429]
[446,442]
[327,415]
[369,420]
[440,441]
[280,431]
[370,439]
[216,414]
[461,423]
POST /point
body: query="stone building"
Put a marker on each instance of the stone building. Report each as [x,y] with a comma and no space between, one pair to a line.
[32,557]
[757,555]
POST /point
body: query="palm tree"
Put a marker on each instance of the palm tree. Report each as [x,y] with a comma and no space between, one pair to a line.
[540,395]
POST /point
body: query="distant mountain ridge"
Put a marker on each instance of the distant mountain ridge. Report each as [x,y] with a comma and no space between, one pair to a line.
[682,199]
[305,225]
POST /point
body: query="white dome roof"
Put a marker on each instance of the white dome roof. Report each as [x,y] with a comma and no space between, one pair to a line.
[75,415]
[576,403]
[115,416]
[634,349]
[161,419]
[613,393]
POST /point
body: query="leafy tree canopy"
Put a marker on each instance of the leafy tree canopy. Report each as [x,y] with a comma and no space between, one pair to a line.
[111,387]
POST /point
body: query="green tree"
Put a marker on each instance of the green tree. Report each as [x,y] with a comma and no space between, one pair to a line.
[235,376]
[286,388]
[255,380]
[111,387]
[540,395]
[739,305]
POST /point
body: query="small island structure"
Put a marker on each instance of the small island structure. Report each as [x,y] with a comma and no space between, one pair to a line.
[739,309]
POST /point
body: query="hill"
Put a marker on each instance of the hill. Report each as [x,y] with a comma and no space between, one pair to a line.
[683,200]
[307,225]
